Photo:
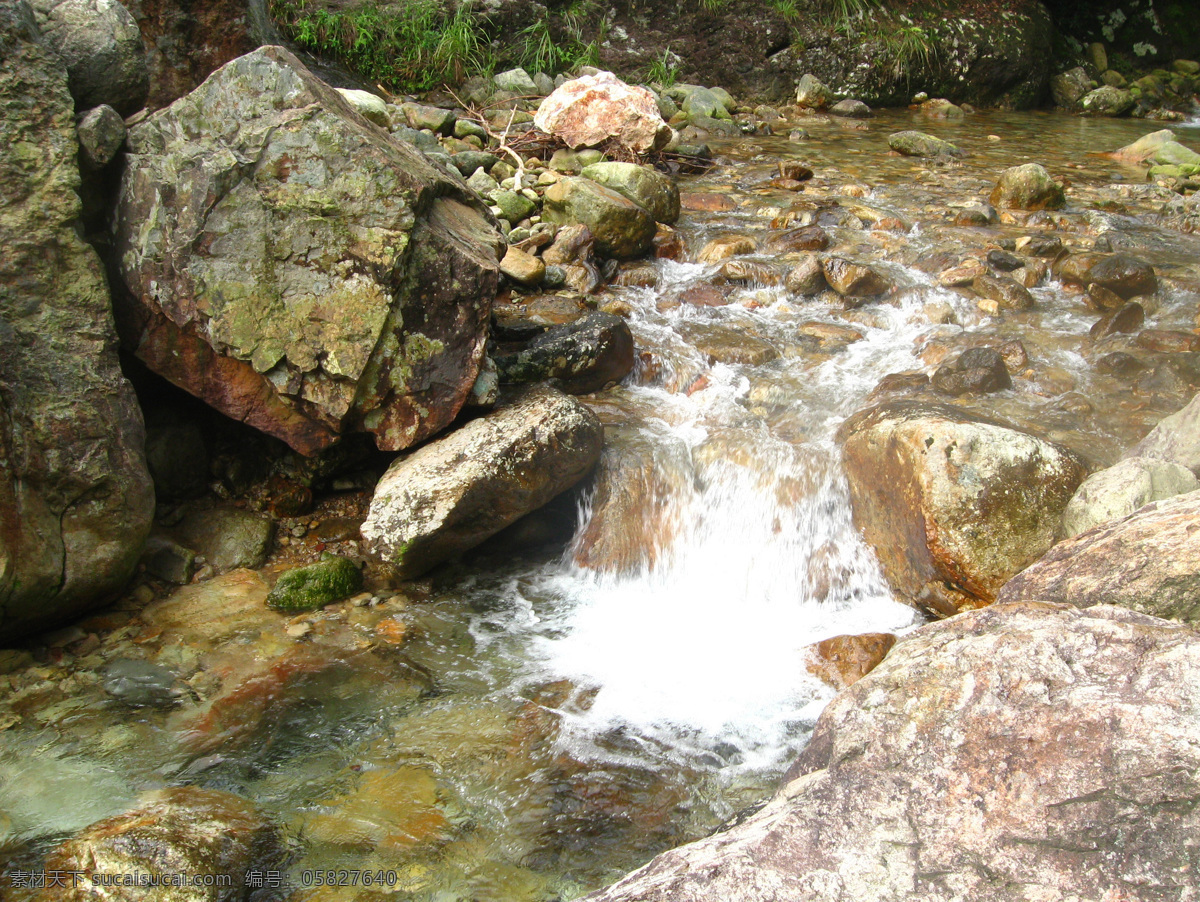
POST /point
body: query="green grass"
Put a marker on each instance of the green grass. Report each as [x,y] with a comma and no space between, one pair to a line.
[413,47]
[538,50]
[663,72]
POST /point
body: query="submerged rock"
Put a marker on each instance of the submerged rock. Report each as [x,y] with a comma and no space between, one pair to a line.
[583,356]
[855,282]
[1122,489]
[1027,187]
[180,832]
[1125,562]
[453,493]
[954,505]
[76,499]
[592,109]
[296,267]
[330,579]
[919,783]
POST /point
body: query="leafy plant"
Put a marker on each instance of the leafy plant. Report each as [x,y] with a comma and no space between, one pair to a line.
[787,9]
[539,51]
[664,71]
[908,47]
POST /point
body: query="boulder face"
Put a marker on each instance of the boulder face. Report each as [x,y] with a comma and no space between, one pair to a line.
[1149,562]
[920,782]
[453,493]
[1027,187]
[101,45]
[592,109]
[954,505]
[298,268]
[76,500]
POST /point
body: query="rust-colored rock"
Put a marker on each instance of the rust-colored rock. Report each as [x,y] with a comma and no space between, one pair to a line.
[842,661]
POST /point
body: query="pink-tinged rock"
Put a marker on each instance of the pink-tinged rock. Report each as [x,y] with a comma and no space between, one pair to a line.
[591,109]
[1022,752]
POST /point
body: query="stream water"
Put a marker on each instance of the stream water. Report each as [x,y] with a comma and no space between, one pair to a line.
[529,729]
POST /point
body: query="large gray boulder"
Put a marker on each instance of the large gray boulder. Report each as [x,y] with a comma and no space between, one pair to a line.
[101,46]
[1149,562]
[1027,187]
[1020,752]
[954,505]
[297,267]
[1123,488]
[75,497]
[621,227]
[451,494]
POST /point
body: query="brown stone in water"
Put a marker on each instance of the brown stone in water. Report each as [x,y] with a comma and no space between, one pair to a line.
[842,661]
[954,505]
[794,170]
[1167,340]
[1128,319]
[1006,292]
[667,243]
[706,202]
[805,238]
[725,247]
[786,184]
[704,295]
[854,281]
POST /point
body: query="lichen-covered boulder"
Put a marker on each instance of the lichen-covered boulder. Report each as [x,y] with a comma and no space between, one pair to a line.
[592,109]
[453,493]
[1122,489]
[645,186]
[1020,752]
[174,834]
[954,505]
[101,46]
[1027,187]
[1108,101]
[298,268]
[1148,562]
[812,94]
[76,500]
[620,227]
[1068,88]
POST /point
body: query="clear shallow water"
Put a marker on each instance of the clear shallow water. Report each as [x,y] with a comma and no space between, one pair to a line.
[527,729]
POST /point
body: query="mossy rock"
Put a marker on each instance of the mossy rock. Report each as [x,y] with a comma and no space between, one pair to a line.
[308,588]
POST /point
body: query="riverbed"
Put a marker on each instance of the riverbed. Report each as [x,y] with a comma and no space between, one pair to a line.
[530,726]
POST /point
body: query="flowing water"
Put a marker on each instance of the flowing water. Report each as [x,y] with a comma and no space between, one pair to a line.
[529,728]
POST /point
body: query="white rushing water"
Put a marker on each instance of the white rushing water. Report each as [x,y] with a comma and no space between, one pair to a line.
[704,646]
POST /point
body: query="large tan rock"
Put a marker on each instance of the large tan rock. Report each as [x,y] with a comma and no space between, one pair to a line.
[954,505]
[592,109]
[620,227]
[1027,187]
[1021,752]
[76,499]
[1149,562]
[298,268]
[453,493]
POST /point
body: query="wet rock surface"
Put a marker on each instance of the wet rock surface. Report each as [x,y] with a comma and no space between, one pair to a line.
[583,356]
[452,494]
[898,794]
[954,506]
